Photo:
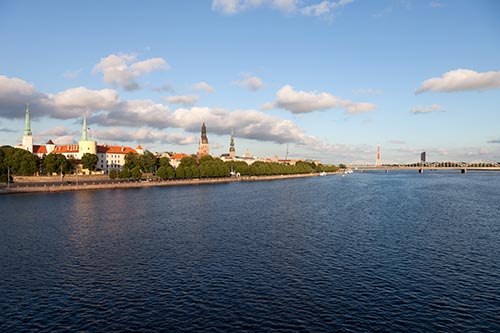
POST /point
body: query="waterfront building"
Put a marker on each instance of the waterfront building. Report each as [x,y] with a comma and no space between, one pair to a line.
[378,162]
[175,159]
[109,157]
[203,146]
[422,157]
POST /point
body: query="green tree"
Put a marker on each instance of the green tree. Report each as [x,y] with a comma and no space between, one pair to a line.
[124,174]
[164,161]
[136,172]
[131,161]
[113,174]
[187,162]
[162,172]
[56,163]
[180,173]
[89,161]
[149,162]
[18,161]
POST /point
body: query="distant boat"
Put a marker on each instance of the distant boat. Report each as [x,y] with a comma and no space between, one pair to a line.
[322,173]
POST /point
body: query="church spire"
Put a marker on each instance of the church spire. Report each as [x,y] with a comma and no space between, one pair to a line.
[27,125]
[231,146]
[84,128]
[204,138]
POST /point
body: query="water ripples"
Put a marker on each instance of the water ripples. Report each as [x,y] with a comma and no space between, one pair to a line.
[367,252]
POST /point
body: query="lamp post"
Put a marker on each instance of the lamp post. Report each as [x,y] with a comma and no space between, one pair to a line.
[8,177]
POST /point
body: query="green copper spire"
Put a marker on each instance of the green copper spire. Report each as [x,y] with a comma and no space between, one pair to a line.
[27,126]
[84,128]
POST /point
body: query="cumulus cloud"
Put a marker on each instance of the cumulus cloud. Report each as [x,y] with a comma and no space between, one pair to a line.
[143,135]
[107,109]
[72,102]
[297,101]
[461,80]
[15,93]
[184,100]
[7,130]
[134,113]
[250,82]
[232,7]
[203,86]
[59,135]
[250,124]
[122,70]
[427,109]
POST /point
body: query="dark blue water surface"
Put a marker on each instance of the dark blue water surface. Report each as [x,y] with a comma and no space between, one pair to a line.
[366,252]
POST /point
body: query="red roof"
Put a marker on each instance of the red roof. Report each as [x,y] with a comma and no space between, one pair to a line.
[39,149]
[115,149]
[65,149]
[179,156]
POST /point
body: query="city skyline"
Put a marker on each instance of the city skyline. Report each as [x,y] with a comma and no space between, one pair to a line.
[331,79]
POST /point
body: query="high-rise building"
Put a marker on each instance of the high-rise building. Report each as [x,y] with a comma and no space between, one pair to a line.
[378,162]
[203,146]
[422,157]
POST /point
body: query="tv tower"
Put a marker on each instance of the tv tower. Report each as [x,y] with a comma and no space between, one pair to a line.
[378,162]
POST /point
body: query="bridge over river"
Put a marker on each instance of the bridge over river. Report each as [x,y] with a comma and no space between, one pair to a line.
[462,169]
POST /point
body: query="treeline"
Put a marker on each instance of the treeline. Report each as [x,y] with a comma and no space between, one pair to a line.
[209,167]
[20,162]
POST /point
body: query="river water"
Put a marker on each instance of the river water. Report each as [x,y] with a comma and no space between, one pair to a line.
[376,251]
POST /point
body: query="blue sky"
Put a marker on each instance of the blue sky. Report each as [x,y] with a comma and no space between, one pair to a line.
[328,79]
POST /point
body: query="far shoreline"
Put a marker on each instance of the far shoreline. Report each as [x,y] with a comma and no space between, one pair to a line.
[84,184]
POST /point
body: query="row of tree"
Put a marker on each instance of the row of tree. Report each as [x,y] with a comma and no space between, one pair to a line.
[209,167]
[20,162]
[15,161]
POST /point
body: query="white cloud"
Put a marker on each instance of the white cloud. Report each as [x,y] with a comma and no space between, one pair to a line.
[15,93]
[427,109]
[121,69]
[303,102]
[231,7]
[143,135]
[203,86]
[323,7]
[461,80]
[72,102]
[184,100]
[135,113]
[250,82]
[106,109]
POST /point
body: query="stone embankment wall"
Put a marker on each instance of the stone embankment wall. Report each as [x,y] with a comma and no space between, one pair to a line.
[89,183]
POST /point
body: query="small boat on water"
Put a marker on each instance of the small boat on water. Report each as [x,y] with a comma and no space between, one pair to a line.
[322,173]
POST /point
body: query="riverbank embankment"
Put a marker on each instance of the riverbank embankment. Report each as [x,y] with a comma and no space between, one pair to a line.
[96,183]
